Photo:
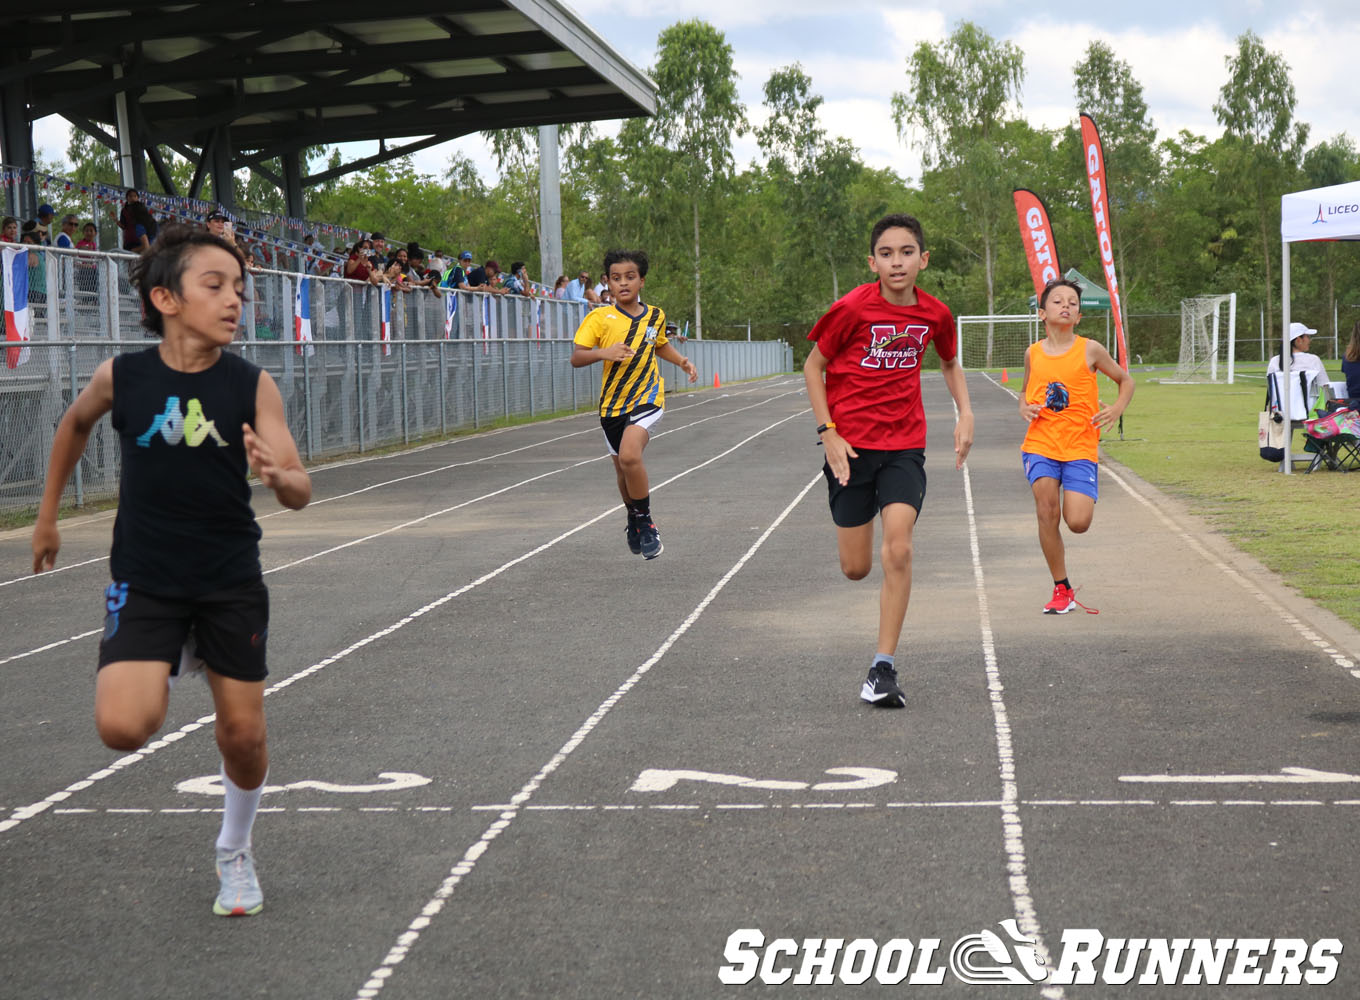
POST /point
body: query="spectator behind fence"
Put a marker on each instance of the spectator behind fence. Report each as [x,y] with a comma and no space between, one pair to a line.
[66,239]
[455,276]
[483,279]
[87,270]
[217,224]
[43,224]
[359,267]
[9,229]
[560,287]
[379,244]
[517,281]
[577,288]
[136,222]
[1350,367]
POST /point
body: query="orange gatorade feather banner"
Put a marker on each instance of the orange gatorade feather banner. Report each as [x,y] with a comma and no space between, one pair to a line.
[1037,235]
[1100,208]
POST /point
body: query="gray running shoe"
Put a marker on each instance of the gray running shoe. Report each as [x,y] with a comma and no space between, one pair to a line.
[240,895]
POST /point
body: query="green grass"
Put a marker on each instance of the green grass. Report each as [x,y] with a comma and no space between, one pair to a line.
[1198,443]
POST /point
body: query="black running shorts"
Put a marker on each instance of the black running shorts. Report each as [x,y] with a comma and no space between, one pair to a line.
[645,417]
[877,478]
[230,628]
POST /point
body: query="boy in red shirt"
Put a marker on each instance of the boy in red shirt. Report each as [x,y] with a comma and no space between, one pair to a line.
[1062,405]
[864,384]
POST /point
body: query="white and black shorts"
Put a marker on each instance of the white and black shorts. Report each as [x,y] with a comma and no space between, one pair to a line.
[645,417]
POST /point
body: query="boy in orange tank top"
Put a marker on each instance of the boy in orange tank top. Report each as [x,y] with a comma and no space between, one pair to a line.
[1061,448]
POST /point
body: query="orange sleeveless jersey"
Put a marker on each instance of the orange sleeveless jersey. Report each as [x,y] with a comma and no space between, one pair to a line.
[1066,387]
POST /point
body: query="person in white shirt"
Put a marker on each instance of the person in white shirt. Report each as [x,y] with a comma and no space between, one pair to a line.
[1299,359]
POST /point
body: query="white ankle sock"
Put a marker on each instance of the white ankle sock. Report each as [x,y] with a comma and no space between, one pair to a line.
[238,814]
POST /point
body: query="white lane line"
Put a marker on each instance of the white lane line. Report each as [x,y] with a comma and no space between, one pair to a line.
[51,645]
[1337,656]
[1027,919]
[55,569]
[392,482]
[28,812]
[379,977]
[386,531]
[673,807]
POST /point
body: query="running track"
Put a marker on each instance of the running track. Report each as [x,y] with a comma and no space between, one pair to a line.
[479,702]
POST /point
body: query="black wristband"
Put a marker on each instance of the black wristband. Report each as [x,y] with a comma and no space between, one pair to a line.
[823,428]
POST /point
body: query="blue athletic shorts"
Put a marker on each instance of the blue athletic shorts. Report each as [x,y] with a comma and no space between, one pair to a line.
[1079,475]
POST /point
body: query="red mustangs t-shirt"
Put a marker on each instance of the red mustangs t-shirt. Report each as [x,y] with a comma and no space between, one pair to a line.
[875,349]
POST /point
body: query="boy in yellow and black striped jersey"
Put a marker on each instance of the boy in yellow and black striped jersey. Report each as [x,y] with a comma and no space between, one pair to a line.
[628,336]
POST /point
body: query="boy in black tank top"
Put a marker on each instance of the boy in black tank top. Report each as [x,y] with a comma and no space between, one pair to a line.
[192,420]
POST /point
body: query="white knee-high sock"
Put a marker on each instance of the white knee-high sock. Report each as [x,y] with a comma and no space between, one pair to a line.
[238,814]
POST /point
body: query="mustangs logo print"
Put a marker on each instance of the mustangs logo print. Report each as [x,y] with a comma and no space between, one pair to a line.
[893,348]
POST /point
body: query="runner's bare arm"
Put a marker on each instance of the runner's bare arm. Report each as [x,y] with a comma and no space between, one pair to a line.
[68,444]
[271,451]
[963,429]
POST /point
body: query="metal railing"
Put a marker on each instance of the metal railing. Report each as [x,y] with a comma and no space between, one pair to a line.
[346,391]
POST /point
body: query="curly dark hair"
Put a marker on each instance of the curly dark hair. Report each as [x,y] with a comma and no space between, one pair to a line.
[164,263]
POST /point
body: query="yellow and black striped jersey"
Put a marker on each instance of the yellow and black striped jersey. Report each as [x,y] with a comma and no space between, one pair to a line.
[627,385]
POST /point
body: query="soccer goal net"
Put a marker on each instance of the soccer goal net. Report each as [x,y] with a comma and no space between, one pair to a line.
[1208,339]
[996,341]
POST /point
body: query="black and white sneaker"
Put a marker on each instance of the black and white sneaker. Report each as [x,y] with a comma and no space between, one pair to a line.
[634,536]
[880,687]
[649,539]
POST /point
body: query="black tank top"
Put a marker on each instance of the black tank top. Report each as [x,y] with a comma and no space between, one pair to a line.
[185,526]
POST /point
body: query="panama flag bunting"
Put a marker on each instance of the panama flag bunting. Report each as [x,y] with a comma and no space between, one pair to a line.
[1100,209]
[450,313]
[16,306]
[302,317]
[385,320]
[1037,234]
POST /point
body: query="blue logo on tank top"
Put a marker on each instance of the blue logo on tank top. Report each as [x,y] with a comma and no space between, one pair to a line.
[1056,398]
[191,427]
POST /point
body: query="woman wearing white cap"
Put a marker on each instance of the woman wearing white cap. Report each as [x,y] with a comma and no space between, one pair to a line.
[1300,338]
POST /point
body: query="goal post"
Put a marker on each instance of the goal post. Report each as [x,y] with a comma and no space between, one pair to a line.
[1208,339]
[996,341]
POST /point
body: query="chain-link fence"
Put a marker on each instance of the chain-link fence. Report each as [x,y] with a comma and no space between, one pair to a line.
[372,375]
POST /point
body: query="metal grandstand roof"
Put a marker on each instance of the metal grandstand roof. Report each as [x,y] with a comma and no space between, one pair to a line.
[285,74]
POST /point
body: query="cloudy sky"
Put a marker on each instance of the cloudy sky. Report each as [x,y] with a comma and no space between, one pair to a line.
[855,51]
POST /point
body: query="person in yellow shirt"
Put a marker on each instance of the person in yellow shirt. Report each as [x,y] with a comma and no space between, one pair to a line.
[1061,448]
[628,336]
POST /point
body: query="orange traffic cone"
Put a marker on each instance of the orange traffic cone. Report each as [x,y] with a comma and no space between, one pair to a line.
[1004,376]
[716,383]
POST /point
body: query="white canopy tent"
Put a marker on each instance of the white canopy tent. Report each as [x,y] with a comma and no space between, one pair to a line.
[1327,213]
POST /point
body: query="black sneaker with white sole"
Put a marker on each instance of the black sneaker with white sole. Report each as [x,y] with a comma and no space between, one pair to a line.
[880,687]
[634,536]
[649,539]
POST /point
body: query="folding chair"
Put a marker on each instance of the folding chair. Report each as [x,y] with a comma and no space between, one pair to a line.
[1303,396]
[1335,441]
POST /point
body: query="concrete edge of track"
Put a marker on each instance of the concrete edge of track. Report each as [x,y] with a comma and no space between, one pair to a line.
[1342,635]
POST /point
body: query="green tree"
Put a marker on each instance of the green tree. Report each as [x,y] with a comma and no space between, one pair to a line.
[814,173]
[697,118]
[1256,109]
[960,96]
